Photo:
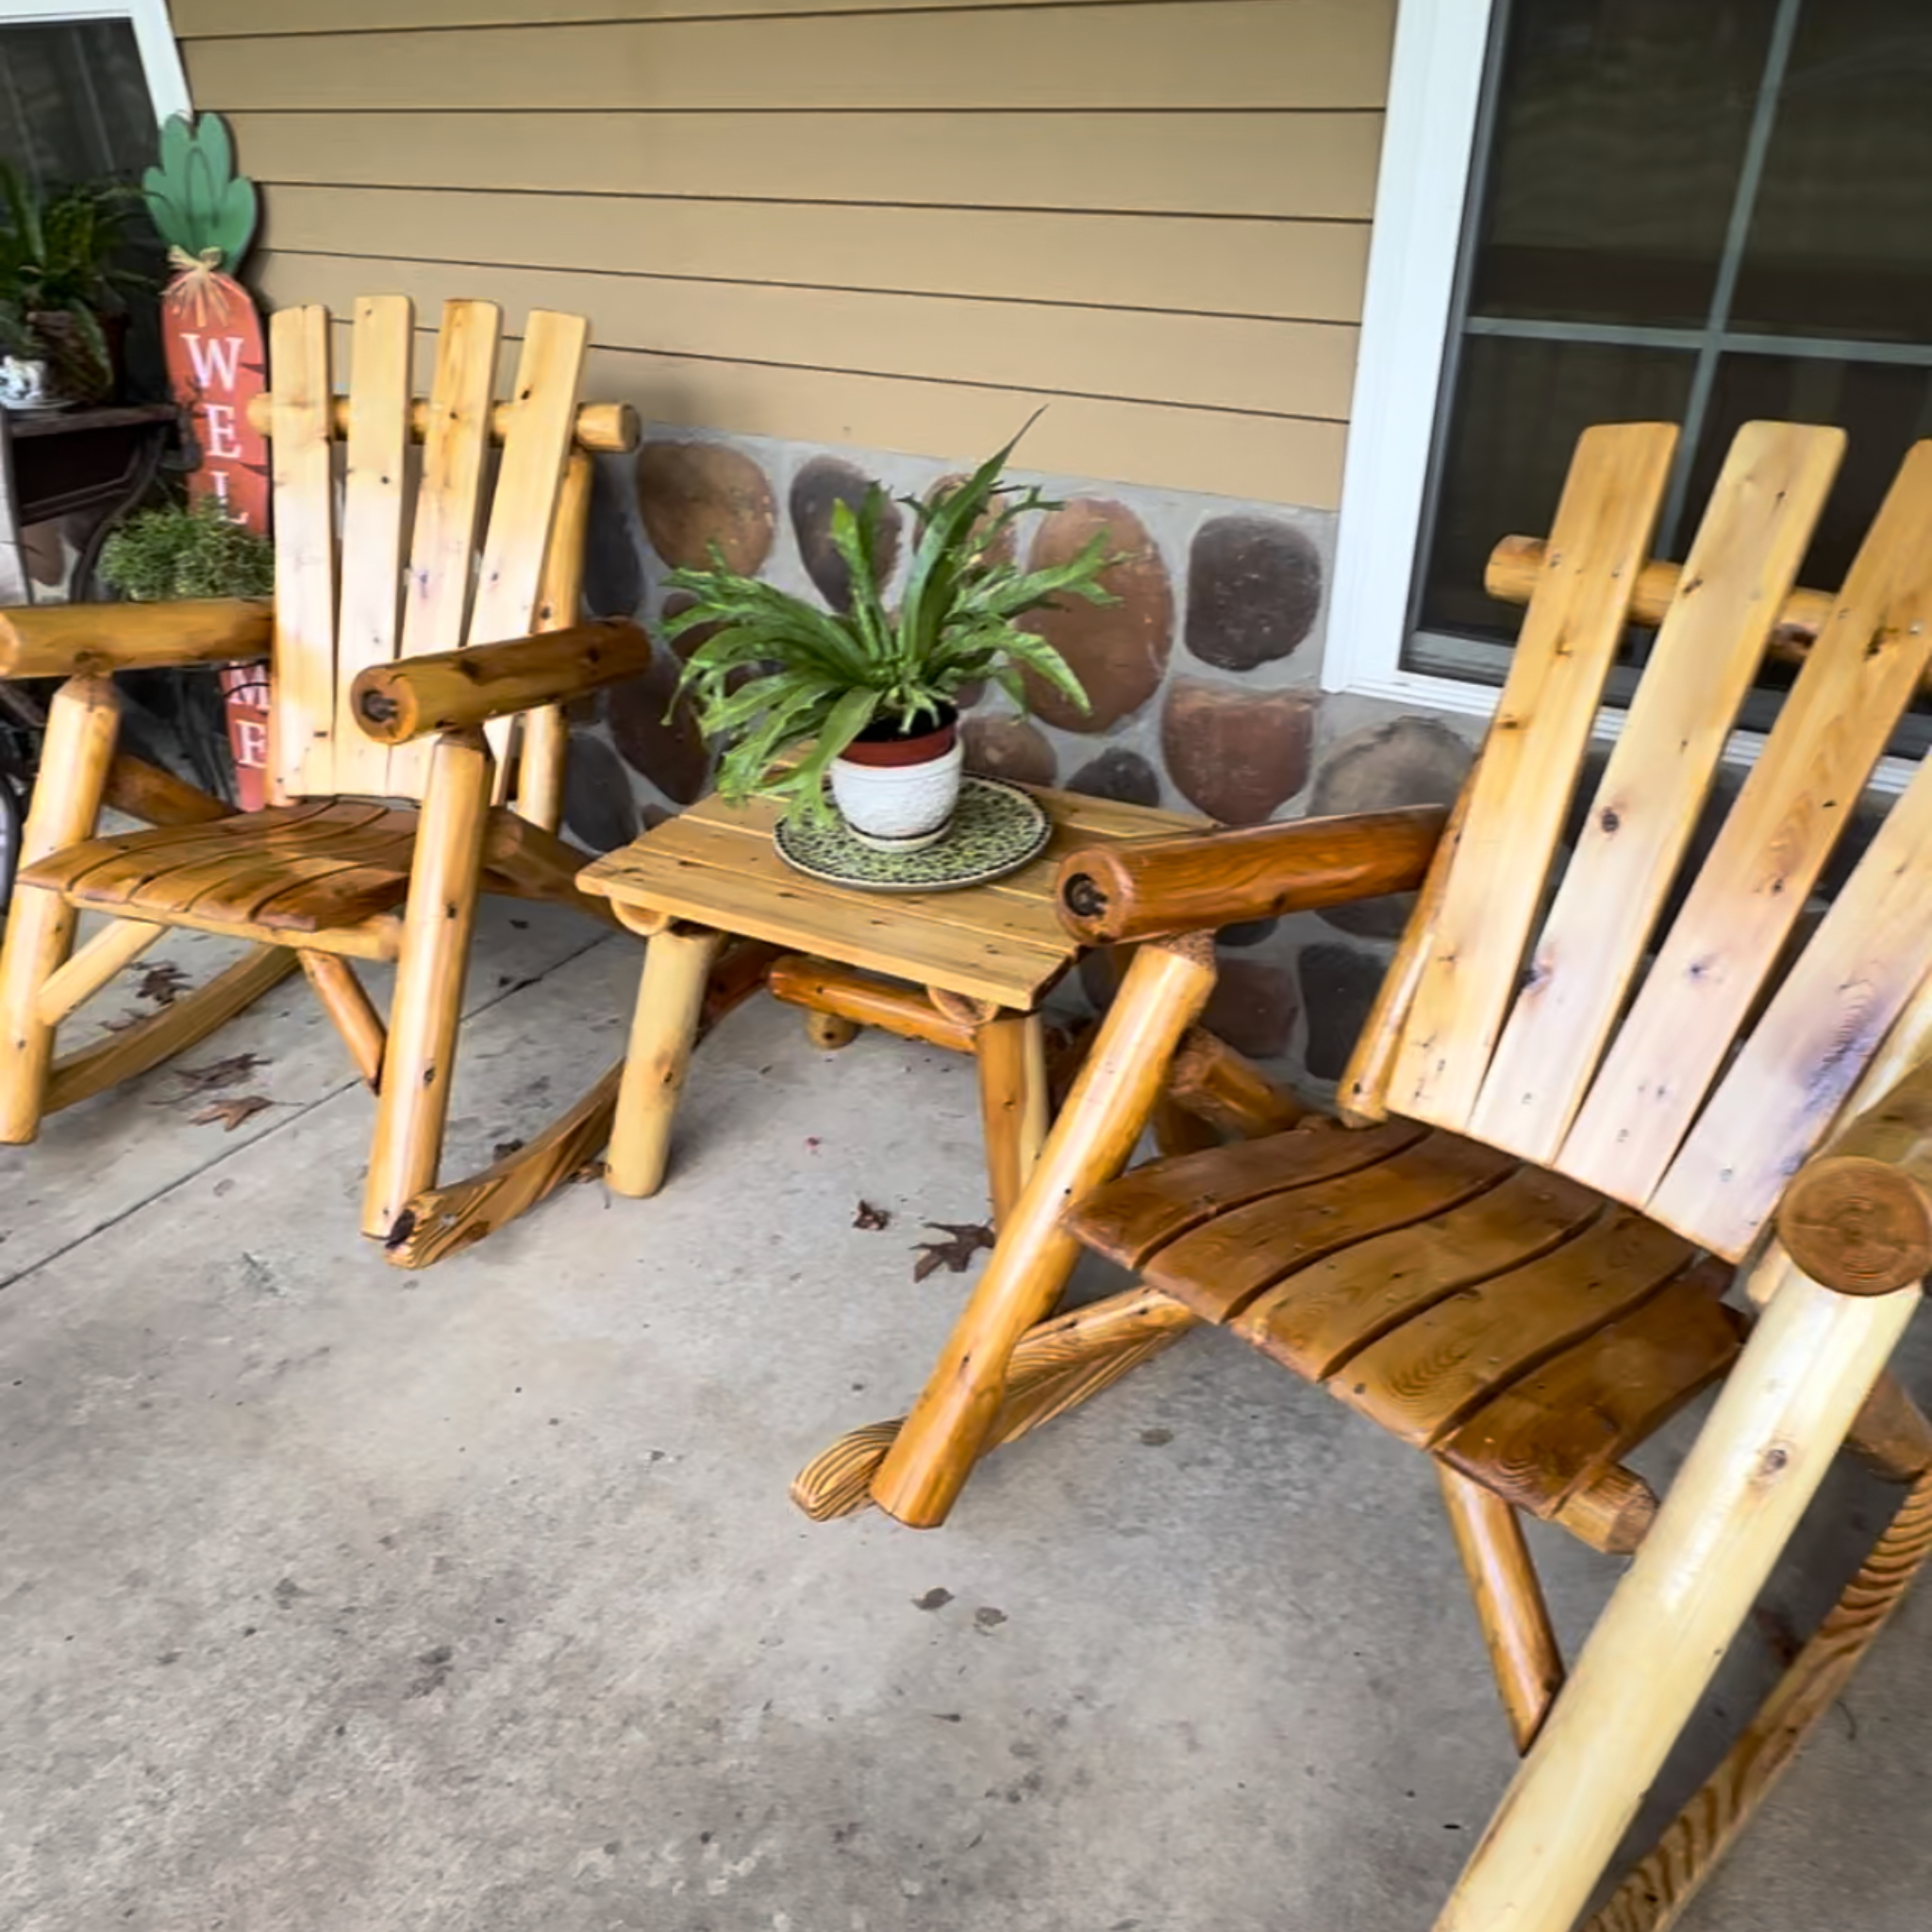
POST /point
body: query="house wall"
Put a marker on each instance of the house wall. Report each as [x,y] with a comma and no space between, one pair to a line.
[897,226]
[862,241]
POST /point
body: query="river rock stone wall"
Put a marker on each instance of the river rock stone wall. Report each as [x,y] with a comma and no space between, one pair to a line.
[1205,681]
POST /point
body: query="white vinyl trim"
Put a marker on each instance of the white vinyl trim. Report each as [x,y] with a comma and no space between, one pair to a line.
[154,35]
[1428,139]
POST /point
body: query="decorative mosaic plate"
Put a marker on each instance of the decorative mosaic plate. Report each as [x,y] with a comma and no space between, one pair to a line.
[996,829]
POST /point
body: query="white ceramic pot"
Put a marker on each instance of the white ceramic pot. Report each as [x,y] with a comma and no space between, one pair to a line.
[904,805]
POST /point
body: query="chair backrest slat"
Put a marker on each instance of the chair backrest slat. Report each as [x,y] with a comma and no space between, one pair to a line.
[374,502]
[1518,793]
[441,546]
[1742,908]
[449,499]
[1799,1066]
[536,446]
[305,508]
[1738,573]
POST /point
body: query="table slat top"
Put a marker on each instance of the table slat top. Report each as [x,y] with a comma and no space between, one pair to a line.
[715,864]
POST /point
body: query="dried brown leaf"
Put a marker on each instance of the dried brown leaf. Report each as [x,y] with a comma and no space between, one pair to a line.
[955,1254]
[231,1112]
[163,982]
[229,1072]
[873,1220]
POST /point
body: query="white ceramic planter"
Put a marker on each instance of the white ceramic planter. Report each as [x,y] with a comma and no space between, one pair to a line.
[899,807]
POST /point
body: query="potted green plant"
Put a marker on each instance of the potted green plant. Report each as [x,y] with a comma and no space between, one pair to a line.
[60,282]
[187,550]
[870,697]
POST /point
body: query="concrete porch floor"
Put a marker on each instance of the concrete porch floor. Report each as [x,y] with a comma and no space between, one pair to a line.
[339,1600]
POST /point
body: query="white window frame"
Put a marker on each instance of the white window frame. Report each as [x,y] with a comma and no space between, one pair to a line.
[1428,148]
[1428,151]
[154,38]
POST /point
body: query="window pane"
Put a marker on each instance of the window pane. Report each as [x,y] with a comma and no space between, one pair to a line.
[1841,240]
[1620,130]
[73,102]
[1519,407]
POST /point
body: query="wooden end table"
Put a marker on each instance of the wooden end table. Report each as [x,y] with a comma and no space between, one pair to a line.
[978,962]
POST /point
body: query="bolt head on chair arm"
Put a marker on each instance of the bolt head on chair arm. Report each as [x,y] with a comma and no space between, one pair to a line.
[453,691]
[85,639]
[1858,1216]
[1114,893]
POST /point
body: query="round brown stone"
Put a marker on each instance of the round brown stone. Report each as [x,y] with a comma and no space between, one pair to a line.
[1118,652]
[1406,761]
[1253,1008]
[600,812]
[1236,754]
[696,494]
[1123,776]
[1009,748]
[673,756]
[685,642]
[822,484]
[1339,986]
[1254,591]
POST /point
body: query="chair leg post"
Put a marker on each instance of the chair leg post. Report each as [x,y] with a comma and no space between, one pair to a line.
[81,727]
[671,1001]
[1011,1055]
[1509,1601]
[351,1012]
[419,1064]
[1778,1424]
[1159,999]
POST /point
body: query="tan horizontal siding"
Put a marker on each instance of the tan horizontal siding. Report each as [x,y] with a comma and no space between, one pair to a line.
[895,225]
[204,19]
[1313,166]
[1292,271]
[1218,54]
[1278,458]
[1220,362]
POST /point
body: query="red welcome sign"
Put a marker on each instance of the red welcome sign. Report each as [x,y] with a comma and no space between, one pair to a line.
[211,335]
[216,366]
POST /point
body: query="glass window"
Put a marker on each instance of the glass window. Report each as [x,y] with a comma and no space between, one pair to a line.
[74,101]
[1699,214]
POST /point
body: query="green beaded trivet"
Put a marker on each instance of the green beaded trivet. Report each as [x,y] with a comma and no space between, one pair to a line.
[996,829]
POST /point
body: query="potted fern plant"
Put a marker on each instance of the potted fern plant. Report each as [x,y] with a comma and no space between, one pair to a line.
[60,285]
[870,698]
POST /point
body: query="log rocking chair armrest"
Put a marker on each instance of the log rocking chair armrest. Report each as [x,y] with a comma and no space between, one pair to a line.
[456,691]
[1858,1215]
[89,639]
[1110,894]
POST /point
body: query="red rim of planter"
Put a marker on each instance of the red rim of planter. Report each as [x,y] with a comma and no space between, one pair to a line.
[883,752]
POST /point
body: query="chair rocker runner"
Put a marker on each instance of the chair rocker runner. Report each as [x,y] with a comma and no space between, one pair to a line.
[393,680]
[1587,1092]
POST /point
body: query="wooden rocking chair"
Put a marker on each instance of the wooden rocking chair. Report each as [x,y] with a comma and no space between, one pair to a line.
[1574,1109]
[336,871]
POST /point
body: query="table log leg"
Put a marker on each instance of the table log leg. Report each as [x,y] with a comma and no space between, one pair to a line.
[1010,1051]
[1162,997]
[671,998]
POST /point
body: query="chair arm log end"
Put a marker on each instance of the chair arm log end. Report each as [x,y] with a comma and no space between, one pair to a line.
[1113,894]
[86,640]
[456,691]
[1857,1217]
[1858,1225]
